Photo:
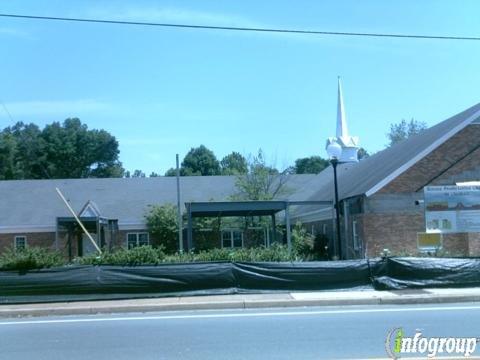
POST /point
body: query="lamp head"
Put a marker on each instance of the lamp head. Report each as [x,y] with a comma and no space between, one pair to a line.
[334,151]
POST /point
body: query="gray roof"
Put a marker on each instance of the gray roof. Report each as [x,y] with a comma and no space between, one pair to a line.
[370,174]
[33,203]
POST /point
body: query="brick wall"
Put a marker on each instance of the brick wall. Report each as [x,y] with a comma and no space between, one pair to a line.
[44,239]
[473,244]
[398,233]
[446,156]
[455,244]
[455,160]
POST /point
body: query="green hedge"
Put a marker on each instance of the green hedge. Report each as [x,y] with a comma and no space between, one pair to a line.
[146,255]
[38,258]
[30,258]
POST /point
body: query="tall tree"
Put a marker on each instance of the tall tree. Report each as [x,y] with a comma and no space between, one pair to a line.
[67,150]
[261,182]
[310,165]
[8,149]
[73,151]
[234,164]
[200,161]
[403,130]
[21,152]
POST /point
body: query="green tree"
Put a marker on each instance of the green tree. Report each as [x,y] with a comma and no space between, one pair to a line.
[162,225]
[261,182]
[9,168]
[200,161]
[302,241]
[310,165]
[362,154]
[22,152]
[153,174]
[403,130]
[234,164]
[68,150]
[74,151]
[138,174]
[171,172]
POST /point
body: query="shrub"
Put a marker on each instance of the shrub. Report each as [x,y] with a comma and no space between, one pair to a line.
[142,255]
[214,255]
[302,242]
[162,226]
[275,252]
[30,258]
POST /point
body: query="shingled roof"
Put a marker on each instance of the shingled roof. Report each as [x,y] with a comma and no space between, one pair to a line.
[34,204]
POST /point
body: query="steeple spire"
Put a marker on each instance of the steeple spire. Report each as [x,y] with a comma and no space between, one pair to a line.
[348,143]
[342,130]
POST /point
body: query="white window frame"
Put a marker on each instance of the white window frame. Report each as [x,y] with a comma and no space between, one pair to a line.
[137,236]
[19,237]
[231,231]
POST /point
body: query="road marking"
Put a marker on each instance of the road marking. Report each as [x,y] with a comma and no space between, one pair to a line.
[240,315]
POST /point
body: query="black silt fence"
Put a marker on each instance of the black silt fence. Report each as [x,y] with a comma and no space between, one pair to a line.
[113,282]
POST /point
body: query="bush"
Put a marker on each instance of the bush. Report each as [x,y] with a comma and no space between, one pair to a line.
[162,226]
[30,258]
[302,242]
[142,255]
[273,253]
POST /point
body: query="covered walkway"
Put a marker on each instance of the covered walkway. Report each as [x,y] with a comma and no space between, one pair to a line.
[244,209]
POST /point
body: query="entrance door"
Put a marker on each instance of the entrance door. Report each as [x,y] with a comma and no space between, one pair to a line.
[87,246]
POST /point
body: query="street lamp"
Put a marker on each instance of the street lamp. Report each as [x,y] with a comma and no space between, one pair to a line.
[334,151]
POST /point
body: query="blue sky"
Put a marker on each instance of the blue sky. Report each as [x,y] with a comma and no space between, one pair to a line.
[162,91]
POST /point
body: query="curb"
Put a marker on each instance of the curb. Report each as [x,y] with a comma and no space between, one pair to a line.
[112,307]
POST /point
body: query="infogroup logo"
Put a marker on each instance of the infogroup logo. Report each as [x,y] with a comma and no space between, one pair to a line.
[397,344]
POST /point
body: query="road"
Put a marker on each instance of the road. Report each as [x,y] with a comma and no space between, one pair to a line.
[303,333]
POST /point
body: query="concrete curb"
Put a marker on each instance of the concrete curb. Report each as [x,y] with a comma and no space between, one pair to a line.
[251,301]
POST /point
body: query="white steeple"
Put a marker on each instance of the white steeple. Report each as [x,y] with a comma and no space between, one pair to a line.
[348,143]
[342,130]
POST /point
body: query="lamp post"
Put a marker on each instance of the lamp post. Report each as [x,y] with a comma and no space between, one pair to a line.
[334,151]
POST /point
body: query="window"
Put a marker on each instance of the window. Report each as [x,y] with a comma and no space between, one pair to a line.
[20,242]
[137,239]
[232,239]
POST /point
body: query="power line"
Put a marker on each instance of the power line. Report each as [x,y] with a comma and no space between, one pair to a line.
[6,111]
[250,29]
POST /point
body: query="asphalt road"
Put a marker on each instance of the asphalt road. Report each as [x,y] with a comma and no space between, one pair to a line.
[305,333]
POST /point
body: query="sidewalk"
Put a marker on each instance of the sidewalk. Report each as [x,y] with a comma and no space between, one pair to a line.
[246,301]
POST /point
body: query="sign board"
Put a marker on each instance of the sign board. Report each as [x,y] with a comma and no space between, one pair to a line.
[452,209]
[429,241]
